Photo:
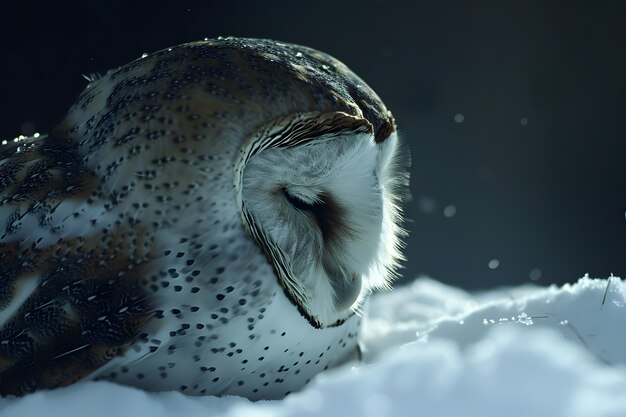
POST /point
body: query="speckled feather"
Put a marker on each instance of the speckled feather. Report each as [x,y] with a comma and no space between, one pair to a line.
[123,251]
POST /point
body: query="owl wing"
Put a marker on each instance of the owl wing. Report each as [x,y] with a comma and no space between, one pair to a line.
[71,295]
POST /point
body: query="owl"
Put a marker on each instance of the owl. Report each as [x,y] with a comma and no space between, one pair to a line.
[209,218]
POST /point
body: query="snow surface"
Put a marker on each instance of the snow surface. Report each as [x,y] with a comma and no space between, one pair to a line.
[429,350]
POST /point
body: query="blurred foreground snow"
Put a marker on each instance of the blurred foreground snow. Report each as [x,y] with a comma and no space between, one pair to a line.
[430,350]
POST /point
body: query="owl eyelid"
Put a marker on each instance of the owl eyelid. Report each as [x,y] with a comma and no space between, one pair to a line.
[327,214]
[300,204]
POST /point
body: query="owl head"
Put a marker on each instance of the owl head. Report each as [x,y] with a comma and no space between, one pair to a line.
[300,147]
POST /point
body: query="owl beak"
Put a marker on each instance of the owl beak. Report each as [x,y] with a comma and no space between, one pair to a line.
[346,287]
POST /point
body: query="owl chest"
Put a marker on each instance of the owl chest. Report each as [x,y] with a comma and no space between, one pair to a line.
[266,351]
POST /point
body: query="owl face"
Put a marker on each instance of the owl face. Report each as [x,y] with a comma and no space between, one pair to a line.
[208,218]
[325,212]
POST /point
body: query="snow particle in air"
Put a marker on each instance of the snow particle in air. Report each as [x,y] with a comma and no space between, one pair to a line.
[449,210]
[493,264]
[459,118]
[535,274]
[524,121]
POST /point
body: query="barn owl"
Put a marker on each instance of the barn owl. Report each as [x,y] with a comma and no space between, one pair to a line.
[208,218]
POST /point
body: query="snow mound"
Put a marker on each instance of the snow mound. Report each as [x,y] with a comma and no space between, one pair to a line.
[429,350]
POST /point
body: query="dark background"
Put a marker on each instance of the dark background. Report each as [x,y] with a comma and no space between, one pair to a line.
[535,174]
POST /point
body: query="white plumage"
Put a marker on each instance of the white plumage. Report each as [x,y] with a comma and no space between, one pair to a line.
[354,173]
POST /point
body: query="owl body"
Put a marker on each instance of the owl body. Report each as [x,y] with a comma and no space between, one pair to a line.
[208,219]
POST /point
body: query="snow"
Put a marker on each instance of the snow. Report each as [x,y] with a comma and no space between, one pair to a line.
[429,350]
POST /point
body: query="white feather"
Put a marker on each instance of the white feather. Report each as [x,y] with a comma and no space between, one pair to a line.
[360,177]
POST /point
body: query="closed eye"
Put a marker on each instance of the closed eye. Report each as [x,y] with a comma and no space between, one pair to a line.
[328,215]
[300,204]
